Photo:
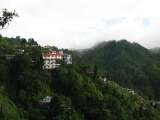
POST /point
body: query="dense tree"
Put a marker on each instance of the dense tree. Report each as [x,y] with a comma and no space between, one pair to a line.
[31,41]
[126,62]
[79,91]
[24,42]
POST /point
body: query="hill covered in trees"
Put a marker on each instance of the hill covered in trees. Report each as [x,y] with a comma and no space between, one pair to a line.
[79,92]
[11,45]
[130,65]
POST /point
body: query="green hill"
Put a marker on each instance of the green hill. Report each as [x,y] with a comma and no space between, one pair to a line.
[130,64]
[3,42]
[79,92]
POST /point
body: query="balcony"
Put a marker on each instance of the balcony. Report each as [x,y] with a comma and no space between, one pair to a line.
[52,58]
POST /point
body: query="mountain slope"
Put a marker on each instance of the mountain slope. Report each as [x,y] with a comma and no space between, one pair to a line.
[77,91]
[128,63]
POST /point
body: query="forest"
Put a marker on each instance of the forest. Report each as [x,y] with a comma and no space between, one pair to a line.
[130,65]
[97,86]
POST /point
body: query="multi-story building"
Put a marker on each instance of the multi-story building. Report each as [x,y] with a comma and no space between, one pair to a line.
[52,59]
[67,58]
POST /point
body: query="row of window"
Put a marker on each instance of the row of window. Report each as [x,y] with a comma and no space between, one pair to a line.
[55,66]
[52,56]
[49,60]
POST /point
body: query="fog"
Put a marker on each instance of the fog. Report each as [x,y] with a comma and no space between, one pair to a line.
[80,24]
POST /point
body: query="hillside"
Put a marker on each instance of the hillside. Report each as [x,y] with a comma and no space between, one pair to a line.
[78,91]
[10,46]
[130,64]
[3,42]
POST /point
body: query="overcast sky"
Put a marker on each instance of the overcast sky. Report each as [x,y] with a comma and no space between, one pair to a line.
[82,23]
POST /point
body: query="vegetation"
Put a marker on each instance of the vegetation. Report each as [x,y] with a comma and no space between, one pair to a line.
[79,92]
[83,90]
[7,18]
[129,64]
[10,46]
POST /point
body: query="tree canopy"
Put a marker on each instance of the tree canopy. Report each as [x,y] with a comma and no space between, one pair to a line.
[6,18]
[130,64]
[79,92]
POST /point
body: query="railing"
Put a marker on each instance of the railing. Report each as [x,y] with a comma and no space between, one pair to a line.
[52,57]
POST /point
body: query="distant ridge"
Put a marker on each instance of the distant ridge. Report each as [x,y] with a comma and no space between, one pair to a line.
[130,64]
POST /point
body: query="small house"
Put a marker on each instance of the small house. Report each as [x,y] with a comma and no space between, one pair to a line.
[131,91]
[46,99]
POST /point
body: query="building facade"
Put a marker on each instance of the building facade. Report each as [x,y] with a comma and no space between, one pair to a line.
[46,99]
[67,58]
[52,59]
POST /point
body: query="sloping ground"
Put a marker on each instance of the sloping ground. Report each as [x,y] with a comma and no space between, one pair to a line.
[128,63]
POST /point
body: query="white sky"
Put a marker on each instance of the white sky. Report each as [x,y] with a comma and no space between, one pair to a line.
[82,23]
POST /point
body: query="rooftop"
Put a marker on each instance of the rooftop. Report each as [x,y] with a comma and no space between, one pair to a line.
[47,47]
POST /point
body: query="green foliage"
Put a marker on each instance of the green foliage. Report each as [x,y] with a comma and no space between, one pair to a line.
[31,41]
[11,46]
[8,110]
[3,42]
[4,75]
[129,64]
[24,42]
[77,90]
[6,18]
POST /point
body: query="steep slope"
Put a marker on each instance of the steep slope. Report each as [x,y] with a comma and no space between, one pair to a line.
[128,63]
[77,91]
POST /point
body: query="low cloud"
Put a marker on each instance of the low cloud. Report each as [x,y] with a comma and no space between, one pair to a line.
[81,23]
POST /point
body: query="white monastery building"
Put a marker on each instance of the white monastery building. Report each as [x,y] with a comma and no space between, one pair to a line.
[52,59]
